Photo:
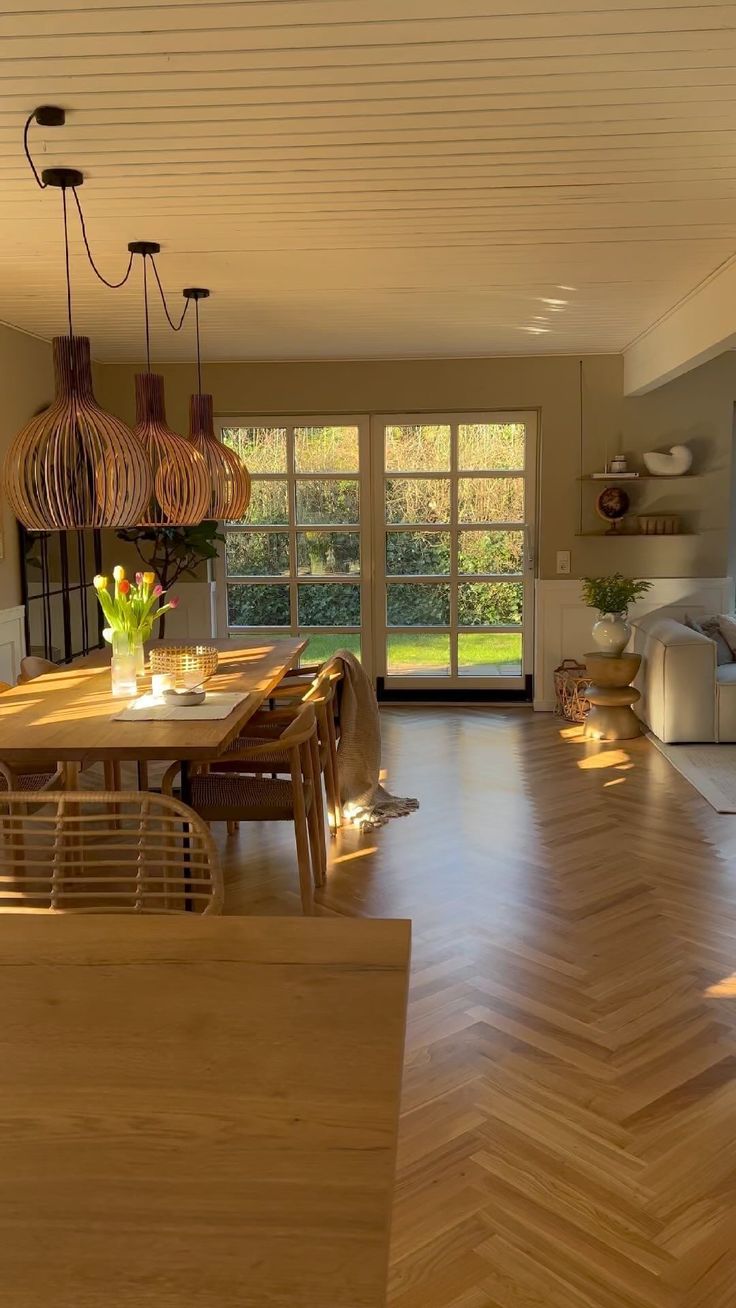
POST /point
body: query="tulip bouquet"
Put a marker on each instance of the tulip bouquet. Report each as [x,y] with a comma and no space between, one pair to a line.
[131,606]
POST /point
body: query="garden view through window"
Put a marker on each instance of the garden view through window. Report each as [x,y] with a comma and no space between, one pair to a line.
[418,564]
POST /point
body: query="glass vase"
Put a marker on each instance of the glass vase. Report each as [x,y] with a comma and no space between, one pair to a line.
[140,655]
[123,666]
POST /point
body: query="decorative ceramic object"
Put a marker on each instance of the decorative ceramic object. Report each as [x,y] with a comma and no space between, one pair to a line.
[618,463]
[611,633]
[612,505]
[675,464]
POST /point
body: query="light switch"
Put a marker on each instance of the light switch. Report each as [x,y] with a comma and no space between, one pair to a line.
[563,562]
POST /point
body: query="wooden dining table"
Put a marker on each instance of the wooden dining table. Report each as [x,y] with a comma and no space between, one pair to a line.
[69,715]
[198,1112]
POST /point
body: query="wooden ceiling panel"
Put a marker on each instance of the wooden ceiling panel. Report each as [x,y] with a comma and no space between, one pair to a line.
[374,177]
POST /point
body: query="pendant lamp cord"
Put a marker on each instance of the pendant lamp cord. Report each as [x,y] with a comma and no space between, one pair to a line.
[199,356]
[113,285]
[148,325]
[34,170]
[66,257]
[175,327]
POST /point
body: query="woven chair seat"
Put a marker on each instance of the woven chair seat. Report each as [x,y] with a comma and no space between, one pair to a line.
[28,781]
[226,792]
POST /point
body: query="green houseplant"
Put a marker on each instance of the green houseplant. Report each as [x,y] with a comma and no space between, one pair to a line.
[611,597]
[174,552]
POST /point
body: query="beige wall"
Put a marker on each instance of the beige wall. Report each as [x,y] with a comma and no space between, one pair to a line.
[26,384]
[697,408]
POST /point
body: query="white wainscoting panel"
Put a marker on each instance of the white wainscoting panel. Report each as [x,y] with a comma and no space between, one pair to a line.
[12,643]
[194,619]
[563,622]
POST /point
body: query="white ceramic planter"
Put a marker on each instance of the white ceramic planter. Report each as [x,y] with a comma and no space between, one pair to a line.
[611,633]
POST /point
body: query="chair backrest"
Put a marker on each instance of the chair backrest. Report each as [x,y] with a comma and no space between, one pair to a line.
[31,667]
[301,728]
[105,852]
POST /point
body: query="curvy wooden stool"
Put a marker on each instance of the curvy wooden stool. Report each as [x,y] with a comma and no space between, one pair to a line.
[611,716]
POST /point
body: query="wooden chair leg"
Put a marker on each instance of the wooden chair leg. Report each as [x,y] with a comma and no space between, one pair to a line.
[232,827]
[332,744]
[142,775]
[301,834]
[316,817]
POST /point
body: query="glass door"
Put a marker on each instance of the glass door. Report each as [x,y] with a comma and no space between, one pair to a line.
[454,524]
[299,562]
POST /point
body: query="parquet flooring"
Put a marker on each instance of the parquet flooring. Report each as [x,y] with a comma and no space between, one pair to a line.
[569,1116]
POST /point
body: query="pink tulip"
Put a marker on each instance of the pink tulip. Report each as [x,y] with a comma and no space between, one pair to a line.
[174,601]
[158,590]
[138,578]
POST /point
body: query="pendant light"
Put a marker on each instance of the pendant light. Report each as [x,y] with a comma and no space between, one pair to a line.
[230,477]
[75,465]
[181,484]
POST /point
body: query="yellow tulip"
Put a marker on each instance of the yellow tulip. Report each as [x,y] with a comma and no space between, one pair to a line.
[99,582]
[118,573]
[149,578]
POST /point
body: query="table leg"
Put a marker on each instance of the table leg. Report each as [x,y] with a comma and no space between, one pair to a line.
[70,774]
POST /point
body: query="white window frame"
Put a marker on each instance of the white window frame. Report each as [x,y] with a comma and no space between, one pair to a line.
[291,476]
[381,629]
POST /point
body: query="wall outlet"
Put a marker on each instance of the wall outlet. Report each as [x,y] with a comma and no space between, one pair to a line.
[563,562]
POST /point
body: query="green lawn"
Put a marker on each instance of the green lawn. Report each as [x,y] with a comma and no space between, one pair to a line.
[425,652]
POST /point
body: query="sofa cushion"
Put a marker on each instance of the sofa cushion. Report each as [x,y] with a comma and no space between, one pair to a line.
[727,628]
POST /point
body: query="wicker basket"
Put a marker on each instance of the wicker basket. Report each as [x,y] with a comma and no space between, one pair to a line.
[571,682]
[189,665]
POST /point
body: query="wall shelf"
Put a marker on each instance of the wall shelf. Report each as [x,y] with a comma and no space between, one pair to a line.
[636,535]
[645,476]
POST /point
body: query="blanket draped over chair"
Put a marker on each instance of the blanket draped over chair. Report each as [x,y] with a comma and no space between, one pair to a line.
[365,801]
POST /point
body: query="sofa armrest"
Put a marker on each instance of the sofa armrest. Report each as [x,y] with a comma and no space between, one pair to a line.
[677,680]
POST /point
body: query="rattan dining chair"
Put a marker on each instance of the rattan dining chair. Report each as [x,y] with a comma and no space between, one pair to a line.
[60,853]
[31,666]
[322,689]
[240,793]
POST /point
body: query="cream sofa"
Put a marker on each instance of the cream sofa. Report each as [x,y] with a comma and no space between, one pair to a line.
[684,695]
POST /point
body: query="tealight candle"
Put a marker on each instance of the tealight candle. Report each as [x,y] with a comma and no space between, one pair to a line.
[161,681]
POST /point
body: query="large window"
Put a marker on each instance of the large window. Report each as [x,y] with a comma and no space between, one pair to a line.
[408,540]
[297,561]
[454,518]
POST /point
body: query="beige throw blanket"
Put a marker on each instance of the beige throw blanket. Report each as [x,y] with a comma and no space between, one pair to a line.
[365,802]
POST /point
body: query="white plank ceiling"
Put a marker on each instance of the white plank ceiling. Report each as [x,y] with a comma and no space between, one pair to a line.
[373,178]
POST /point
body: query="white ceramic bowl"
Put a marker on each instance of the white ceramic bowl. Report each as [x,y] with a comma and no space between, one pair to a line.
[184,698]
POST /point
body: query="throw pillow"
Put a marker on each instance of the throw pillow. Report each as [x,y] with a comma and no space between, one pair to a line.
[727,628]
[711,628]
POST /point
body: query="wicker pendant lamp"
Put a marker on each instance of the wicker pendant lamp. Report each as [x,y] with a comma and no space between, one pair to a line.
[230,479]
[75,465]
[182,488]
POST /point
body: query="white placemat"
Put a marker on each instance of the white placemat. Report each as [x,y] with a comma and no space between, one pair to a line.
[149,708]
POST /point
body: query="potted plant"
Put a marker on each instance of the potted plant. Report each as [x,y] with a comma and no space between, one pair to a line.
[174,552]
[611,596]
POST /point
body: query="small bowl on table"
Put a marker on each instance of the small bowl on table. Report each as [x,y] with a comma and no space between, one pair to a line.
[185,698]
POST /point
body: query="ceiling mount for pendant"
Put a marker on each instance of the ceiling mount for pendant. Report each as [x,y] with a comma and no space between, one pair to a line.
[64,178]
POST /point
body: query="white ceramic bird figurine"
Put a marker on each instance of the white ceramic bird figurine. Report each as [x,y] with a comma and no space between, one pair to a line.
[675,464]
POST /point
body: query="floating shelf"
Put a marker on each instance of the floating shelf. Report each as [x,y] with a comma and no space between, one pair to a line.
[644,476]
[637,535]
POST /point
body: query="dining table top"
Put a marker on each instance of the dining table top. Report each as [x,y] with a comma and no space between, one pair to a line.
[69,714]
[199,1111]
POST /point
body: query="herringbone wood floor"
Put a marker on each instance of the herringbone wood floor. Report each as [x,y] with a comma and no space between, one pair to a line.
[569,1118]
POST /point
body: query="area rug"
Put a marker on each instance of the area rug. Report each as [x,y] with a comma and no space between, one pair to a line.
[711,769]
